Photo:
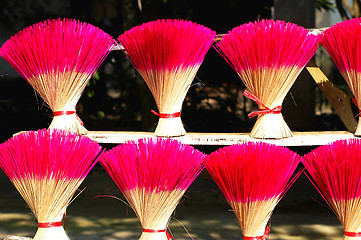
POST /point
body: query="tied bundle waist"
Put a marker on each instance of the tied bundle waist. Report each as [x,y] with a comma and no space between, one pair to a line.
[352,234]
[146,230]
[264,110]
[264,236]
[65,113]
[166,115]
[49,224]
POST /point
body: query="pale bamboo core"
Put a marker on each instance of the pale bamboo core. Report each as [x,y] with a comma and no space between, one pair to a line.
[348,212]
[61,91]
[154,209]
[253,216]
[169,89]
[53,233]
[48,199]
[271,126]
[69,122]
[153,236]
[170,127]
[352,238]
[271,86]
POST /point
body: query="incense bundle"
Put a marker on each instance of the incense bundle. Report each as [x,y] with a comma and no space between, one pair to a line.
[47,167]
[153,175]
[253,177]
[57,58]
[342,42]
[268,56]
[335,170]
[168,54]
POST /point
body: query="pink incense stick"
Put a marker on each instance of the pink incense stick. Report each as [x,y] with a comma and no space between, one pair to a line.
[57,58]
[268,56]
[153,175]
[253,178]
[335,171]
[167,54]
[47,167]
[342,41]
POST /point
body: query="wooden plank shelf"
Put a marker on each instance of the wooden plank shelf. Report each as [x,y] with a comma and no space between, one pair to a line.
[220,139]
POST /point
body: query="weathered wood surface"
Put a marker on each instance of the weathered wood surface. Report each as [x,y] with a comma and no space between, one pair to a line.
[336,97]
[218,139]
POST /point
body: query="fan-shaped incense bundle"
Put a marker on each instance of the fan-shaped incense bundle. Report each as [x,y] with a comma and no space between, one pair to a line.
[153,175]
[168,54]
[336,172]
[268,55]
[47,167]
[342,41]
[253,177]
[57,58]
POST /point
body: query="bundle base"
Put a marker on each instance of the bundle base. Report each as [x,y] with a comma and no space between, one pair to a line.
[53,233]
[68,122]
[352,238]
[153,236]
[271,126]
[253,216]
[170,127]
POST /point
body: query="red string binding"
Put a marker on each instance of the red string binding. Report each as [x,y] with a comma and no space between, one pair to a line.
[352,234]
[265,110]
[64,113]
[166,115]
[266,232]
[146,230]
[49,224]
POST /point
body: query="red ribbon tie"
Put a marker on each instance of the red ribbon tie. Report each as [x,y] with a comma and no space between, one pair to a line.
[166,115]
[264,236]
[65,113]
[265,110]
[146,230]
[49,224]
[352,234]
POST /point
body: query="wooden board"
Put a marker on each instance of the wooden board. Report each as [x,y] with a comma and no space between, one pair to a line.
[299,138]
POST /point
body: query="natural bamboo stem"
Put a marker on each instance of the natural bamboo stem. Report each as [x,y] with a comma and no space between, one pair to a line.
[271,126]
[54,233]
[153,236]
[68,122]
[170,127]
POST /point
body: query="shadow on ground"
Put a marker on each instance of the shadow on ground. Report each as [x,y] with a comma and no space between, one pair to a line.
[203,212]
